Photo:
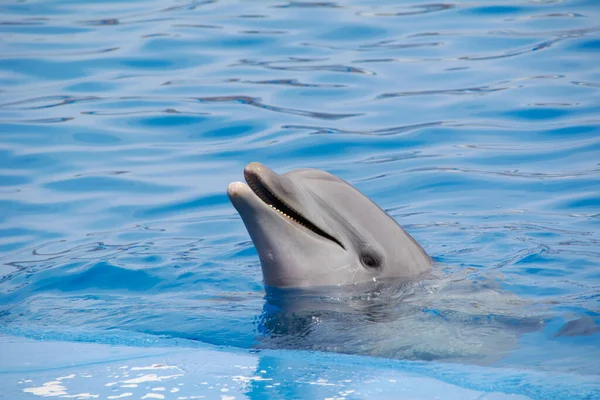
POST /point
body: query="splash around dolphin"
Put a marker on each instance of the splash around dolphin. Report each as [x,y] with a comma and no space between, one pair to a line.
[311,228]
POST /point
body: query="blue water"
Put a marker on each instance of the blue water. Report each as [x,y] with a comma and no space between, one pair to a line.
[475,124]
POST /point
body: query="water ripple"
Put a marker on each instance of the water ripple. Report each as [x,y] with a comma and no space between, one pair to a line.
[141,112]
[102,22]
[396,130]
[515,173]
[470,91]
[383,45]
[308,4]
[549,15]
[566,33]
[49,101]
[202,26]
[409,11]
[59,55]
[46,120]
[189,6]
[587,84]
[294,82]
[297,67]
[256,102]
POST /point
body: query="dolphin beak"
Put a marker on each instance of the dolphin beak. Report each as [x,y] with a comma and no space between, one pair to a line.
[242,198]
[240,194]
[256,169]
[237,189]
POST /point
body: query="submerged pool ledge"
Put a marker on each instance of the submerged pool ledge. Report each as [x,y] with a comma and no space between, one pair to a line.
[36,369]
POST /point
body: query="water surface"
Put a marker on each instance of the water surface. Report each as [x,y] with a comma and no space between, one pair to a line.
[476,125]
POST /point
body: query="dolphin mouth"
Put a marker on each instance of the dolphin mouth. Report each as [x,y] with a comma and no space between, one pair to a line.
[262,191]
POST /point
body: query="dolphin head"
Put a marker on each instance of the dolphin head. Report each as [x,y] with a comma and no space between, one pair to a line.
[311,228]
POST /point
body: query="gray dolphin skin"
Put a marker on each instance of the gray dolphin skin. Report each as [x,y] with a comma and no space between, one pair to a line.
[311,228]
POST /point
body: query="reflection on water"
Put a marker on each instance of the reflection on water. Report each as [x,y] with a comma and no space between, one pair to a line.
[455,318]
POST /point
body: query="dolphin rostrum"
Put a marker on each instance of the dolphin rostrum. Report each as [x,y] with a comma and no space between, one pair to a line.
[311,228]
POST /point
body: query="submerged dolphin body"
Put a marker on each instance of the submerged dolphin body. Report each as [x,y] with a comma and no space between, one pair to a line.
[311,228]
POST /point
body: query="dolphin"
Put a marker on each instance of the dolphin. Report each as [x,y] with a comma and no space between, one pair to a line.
[342,275]
[311,228]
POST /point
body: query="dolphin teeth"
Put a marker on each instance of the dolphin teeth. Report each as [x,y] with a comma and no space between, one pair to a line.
[288,217]
[269,198]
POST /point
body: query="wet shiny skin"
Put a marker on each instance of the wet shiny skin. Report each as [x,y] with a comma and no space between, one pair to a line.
[351,240]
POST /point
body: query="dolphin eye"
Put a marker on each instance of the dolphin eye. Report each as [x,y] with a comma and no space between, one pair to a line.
[370,260]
